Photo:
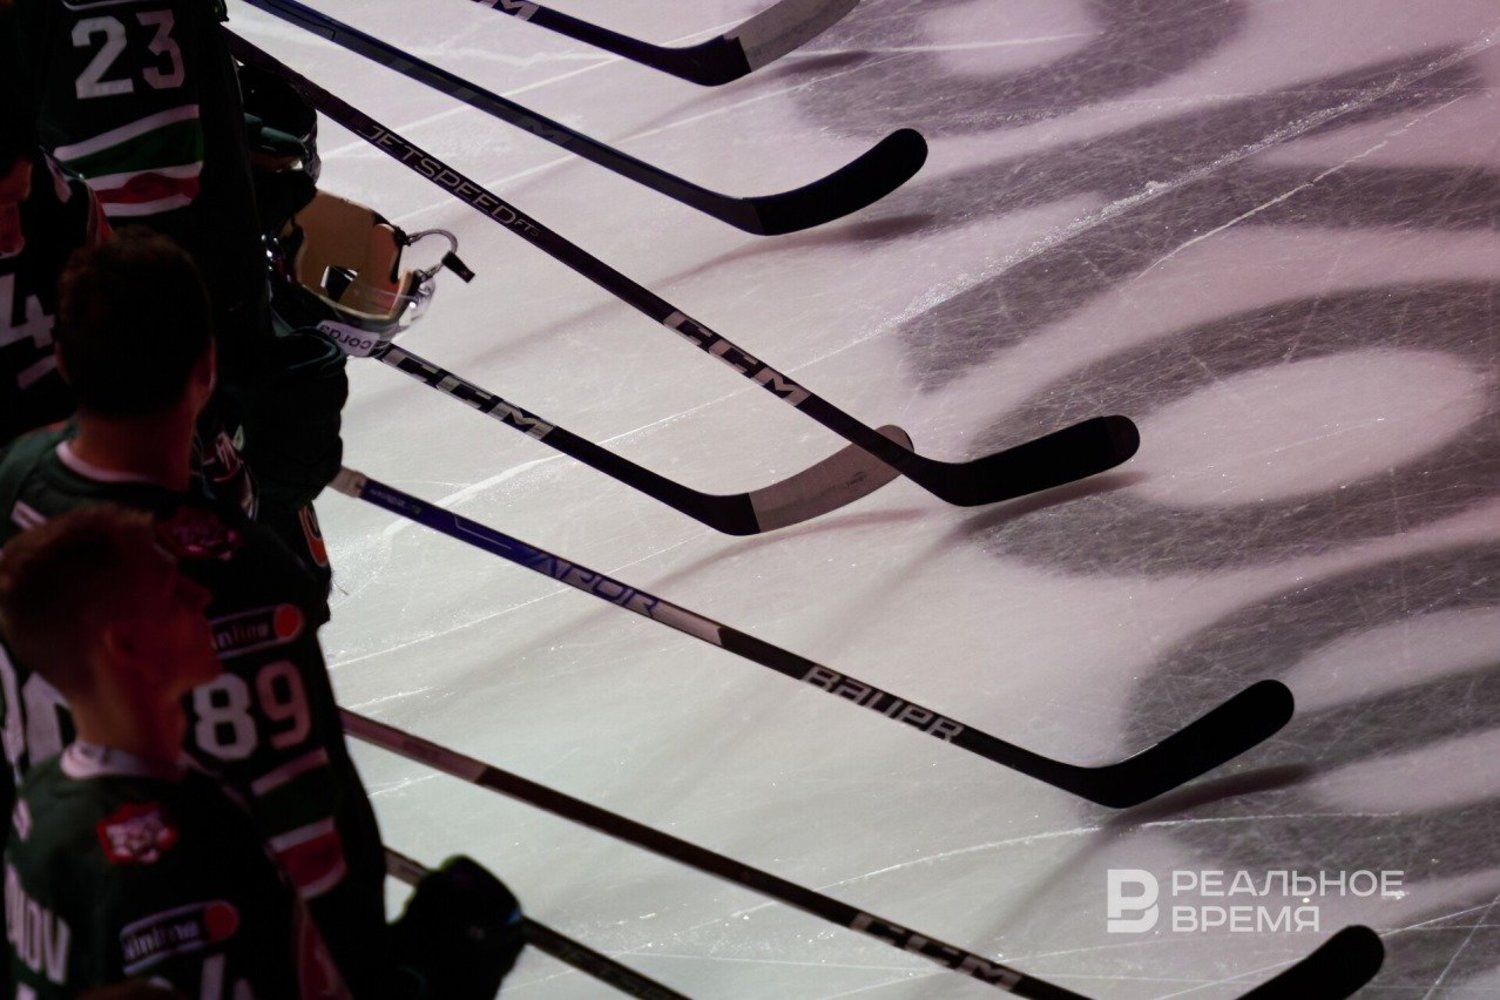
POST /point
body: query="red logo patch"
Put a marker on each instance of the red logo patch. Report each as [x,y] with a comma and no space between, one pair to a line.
[137,833]
[193,533]
[220,920]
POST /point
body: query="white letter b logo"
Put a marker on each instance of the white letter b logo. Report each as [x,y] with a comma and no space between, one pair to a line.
[1121,903]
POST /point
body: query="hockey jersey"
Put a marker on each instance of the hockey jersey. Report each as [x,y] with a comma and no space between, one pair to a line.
[59,216]
[140,97]
[269,725]
[116,869]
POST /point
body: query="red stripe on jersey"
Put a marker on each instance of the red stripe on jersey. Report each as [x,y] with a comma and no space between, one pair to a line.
[314,865]
[148,187]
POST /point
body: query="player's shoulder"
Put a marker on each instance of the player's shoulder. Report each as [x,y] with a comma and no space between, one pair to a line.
[37,482]
[22,461]
[79,808]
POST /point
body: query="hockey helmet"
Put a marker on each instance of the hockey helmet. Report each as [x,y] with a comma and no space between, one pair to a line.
[337,266]
[281,126]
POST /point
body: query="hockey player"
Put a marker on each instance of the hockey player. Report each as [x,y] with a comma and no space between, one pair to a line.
[45,214]
[141,98]
[123,859]
[270,724]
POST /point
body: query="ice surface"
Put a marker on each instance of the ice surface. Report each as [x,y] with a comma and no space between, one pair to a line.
[1265,230]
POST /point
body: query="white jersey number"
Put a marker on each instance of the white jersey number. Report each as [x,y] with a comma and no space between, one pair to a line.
[167,74]
[34,324]
[34,713]
[225,727]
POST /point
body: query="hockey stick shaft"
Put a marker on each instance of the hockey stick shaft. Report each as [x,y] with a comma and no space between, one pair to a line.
[836,481]
[559,946]
[851,188]
[762,39]
[1030,467]
[1069,777]
[1338,967]
[809,901]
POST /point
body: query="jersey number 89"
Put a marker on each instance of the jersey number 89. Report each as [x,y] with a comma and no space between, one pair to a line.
[226,727]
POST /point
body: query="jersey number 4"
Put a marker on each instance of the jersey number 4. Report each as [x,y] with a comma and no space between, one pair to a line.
[167,71]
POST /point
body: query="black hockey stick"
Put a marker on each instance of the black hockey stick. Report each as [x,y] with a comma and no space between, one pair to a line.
[838,480]
[1225,732]
[1063,456]
[876,173]
[1336,969]
[737,53]
[762,39]
[559,946]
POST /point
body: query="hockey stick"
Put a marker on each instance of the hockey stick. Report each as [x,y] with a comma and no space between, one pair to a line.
[762,39]
[876,173]
[1225,732]
[560,947]
[838,480]
[1061,457]
[1336,969]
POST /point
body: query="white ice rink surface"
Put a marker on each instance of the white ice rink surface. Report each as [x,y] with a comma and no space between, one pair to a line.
[1264,229]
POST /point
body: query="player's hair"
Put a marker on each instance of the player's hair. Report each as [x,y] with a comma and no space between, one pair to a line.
[133,318]
[63,582]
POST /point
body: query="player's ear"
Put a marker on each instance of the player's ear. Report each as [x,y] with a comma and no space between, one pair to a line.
[206,372]
[120,641]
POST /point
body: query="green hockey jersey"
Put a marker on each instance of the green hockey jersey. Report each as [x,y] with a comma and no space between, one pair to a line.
[269,725]
[140,97]
[59,216]
[118,870]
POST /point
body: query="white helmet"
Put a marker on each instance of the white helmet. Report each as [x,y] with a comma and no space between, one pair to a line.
[337,266]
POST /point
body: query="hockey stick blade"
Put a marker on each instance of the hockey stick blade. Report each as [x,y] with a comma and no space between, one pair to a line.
[1224,733]
[876,173]
[565,949]
[1228,730]
[1107,441]
[1339,967]
[837,481]
[1064,456]
[758,41]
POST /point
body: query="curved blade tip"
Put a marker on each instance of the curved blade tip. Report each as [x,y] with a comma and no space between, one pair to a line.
[910,144]
[1124,436]
[1271,701]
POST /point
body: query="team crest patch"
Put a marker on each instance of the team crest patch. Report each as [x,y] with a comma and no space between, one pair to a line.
[178,931]
[194,533]
[137,833]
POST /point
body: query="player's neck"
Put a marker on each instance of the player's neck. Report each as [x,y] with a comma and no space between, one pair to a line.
[158,447]
[152,733]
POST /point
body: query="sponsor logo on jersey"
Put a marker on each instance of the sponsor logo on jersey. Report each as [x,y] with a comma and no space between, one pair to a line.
[194,533]
[178,931]
[259,628]
[137,833]
[308,518]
